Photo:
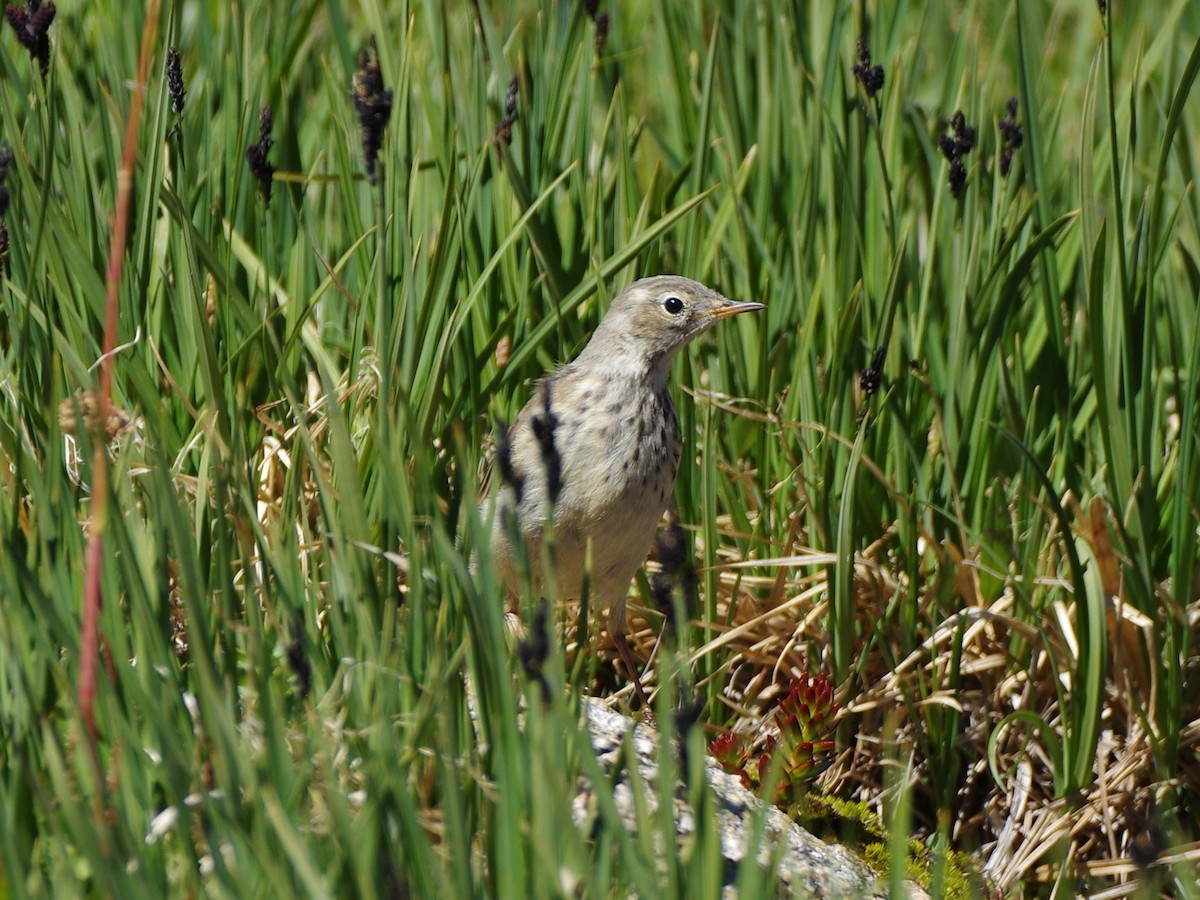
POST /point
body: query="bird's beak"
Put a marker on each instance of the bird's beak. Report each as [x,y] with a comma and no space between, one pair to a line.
[732,308]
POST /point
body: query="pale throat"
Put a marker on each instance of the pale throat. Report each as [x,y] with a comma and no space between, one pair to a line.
[628,361]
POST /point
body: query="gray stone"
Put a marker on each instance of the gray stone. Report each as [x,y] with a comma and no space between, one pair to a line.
[806,865]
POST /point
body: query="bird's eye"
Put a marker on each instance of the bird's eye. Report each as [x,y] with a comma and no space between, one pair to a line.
[673,305]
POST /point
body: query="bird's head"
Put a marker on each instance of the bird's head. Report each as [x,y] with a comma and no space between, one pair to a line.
[654,317]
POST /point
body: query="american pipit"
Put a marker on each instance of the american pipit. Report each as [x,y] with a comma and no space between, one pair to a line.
[597,447]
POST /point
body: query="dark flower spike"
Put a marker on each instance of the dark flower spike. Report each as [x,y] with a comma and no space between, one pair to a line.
[6,158]
[5,263]
[175,80]
[534,650]
[869,76]
[601,33]
[297,657]
[32,24]
[510,99]
[872,377]
[592,8]
[676,570]
[963,140]
[503,133]
[373,104]
[954,147]
[543,426]
[504,460]
[1148,841]
[256,156]
[1012,134]
[958,178]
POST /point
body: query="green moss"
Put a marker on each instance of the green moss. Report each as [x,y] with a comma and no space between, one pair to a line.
[854,825]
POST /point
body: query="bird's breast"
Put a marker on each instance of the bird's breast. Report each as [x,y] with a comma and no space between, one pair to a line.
[620,461]
[619,446]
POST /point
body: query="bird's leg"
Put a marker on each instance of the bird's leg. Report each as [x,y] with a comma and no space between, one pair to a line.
[626,654]
[616,628]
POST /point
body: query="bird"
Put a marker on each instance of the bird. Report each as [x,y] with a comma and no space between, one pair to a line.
[594,453]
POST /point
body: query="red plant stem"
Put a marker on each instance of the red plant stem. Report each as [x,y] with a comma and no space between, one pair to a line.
[90,634]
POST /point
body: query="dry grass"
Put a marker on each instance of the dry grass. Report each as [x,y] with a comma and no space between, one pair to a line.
[770,629]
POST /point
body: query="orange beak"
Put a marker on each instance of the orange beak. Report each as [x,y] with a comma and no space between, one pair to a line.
[733,308]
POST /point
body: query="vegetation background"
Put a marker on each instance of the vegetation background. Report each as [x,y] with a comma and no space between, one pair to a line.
[989,543]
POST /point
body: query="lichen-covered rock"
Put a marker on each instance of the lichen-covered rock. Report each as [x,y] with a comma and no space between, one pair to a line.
[805,865]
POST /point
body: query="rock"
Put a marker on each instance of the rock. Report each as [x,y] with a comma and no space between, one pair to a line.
[807,866]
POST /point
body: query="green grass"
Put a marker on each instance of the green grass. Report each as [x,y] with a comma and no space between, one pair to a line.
[289,609]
